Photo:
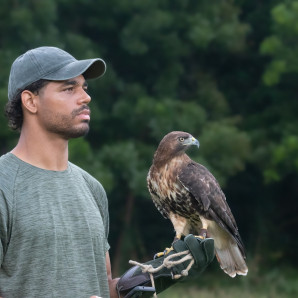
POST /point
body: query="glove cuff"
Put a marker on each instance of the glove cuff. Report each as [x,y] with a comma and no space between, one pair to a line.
[199,254]
[136,277]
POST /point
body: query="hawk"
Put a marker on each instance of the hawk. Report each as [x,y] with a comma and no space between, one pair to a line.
[188,194]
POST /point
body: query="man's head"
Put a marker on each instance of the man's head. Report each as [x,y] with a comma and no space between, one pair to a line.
[34,69]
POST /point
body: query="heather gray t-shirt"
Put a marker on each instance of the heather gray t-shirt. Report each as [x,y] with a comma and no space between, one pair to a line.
[54,230]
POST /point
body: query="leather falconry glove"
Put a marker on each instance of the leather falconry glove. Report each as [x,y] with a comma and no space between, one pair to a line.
[136,283]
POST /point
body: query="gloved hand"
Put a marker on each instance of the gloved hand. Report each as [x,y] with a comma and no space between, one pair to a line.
[136,281]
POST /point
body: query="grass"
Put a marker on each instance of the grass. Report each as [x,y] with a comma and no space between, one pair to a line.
[272,283]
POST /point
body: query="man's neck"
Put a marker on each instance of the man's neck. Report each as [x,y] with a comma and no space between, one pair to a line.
[42,151]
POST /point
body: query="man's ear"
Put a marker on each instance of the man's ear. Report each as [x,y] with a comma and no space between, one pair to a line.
[29,101]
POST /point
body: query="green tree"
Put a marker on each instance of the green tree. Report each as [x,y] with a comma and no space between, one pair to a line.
[282,45]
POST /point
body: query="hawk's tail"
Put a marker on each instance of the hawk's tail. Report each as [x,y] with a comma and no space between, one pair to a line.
[231,259]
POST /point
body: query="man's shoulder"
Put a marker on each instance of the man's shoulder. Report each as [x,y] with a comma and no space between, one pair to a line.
[94,185]
[8,167]
[93,182]
[8,172]
[77,170]
[6,158]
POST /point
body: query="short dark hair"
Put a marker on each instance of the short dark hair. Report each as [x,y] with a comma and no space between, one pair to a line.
[13,109]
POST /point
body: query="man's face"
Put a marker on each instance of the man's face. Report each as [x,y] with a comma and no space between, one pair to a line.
[63,108]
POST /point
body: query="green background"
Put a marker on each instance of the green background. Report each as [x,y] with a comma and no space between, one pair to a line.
[224,71]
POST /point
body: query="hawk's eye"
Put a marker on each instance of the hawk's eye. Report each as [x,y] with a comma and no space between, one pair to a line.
[181,139]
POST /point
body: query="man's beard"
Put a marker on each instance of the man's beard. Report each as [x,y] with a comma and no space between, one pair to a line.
[63,124]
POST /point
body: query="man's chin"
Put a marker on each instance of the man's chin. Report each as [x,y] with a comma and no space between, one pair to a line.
[77,133]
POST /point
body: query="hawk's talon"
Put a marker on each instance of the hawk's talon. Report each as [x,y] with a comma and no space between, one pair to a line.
[177,237]
[202,235]
[168,250]
[163,253]
[158,255]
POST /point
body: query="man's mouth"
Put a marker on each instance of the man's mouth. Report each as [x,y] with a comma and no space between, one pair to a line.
[82,113]
[85,114]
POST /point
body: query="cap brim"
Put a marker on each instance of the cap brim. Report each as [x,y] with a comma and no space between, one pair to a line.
[89,68]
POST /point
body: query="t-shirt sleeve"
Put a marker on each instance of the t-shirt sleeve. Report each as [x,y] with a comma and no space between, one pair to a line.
[102,203]
[7,177]
[4,225]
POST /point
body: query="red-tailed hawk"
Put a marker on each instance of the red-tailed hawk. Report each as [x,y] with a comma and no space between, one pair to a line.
[189,195]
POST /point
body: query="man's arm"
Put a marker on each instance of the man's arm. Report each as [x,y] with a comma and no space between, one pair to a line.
[112,282]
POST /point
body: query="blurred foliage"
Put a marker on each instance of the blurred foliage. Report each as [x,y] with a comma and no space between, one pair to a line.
[273,283]
[284,159]
[282,45]
[224,70]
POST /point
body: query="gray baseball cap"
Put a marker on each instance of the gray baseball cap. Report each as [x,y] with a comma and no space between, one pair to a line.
[50,63]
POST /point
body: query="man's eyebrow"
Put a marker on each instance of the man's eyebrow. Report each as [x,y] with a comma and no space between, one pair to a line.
[74,83]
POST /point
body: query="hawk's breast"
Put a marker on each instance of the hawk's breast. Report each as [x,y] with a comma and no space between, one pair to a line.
[169,195]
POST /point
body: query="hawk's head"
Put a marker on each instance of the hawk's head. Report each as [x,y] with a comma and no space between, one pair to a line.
[174,144]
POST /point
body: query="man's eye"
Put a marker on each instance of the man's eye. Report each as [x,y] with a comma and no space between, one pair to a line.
[69,89]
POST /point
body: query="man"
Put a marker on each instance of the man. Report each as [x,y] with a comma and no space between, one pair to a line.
[53,215]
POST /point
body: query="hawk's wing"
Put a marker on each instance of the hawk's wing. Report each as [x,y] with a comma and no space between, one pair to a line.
[205,189]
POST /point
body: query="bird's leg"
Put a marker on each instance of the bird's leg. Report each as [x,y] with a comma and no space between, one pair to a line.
[203,234]
[181,227]
[203,229]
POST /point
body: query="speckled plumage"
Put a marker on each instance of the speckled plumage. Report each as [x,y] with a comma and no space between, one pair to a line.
[189,195]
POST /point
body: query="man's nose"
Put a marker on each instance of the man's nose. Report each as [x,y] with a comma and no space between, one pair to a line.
[85,98]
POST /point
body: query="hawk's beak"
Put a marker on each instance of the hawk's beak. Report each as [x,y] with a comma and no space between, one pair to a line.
[192,141]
